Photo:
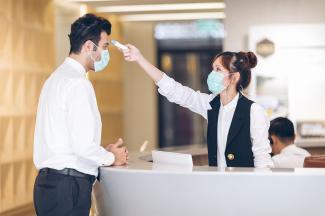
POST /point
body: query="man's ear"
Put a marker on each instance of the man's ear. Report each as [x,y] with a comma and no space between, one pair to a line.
[89,46]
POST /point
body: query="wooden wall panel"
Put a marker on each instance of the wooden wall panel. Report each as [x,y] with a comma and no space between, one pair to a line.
[27,57]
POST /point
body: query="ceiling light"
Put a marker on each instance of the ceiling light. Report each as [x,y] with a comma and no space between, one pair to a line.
[173,16]
[161,7]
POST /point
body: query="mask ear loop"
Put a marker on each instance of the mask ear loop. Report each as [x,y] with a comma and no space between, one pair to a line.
[229,74]
[94,50]
[90,56]
[241,89]
[95,46]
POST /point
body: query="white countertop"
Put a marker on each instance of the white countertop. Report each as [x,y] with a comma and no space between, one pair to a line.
[147,189]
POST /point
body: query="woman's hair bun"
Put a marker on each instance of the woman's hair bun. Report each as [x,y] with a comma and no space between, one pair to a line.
[252,59]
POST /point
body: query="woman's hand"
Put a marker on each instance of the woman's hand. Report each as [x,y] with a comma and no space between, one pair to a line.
[132,54]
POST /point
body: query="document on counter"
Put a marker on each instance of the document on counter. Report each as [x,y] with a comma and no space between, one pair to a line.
[172,158]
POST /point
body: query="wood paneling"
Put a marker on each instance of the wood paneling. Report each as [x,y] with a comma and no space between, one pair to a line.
[26,60]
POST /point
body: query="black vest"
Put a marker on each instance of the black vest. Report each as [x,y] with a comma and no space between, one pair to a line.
[238,151]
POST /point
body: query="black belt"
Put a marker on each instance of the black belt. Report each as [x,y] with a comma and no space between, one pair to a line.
[69,172]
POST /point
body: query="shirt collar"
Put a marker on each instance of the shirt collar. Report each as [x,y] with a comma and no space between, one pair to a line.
[288,148]
[232,104]
[75,64]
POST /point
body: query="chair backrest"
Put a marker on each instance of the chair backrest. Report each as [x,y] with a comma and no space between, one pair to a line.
[315,161]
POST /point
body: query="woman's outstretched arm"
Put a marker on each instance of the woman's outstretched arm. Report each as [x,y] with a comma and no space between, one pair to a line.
[175,92]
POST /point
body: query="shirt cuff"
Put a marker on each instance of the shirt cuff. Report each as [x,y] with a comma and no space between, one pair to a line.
[108,159]
[165,84]
[164,81]
[263,162]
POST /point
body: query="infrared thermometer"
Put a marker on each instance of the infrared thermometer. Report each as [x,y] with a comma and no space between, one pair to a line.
[119,45]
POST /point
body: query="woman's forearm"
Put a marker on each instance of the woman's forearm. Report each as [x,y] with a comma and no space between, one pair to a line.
[154,73]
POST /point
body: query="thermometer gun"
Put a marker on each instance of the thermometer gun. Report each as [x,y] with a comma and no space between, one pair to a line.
[119,45]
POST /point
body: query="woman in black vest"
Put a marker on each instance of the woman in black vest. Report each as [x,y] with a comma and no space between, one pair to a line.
[237,127]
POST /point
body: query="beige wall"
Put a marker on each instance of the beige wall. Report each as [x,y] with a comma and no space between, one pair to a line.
[140,94]
[65,14]
[242,14]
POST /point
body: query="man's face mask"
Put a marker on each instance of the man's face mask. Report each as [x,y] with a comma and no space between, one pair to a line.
[215,82]
[103,62]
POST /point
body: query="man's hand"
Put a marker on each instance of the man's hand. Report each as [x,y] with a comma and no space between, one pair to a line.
[120,152]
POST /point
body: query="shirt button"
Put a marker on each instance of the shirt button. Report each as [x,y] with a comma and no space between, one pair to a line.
[231,156]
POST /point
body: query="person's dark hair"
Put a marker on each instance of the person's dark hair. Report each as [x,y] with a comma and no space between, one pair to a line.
[283,129]
[241,62]
[87,27]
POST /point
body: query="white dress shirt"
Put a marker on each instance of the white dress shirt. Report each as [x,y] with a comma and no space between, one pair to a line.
[200,103]
[68,123]
[290,157]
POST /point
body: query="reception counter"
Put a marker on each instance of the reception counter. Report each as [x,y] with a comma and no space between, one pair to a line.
[146,189]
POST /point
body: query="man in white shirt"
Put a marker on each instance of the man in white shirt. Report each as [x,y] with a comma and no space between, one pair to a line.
[67,150]
[282,137]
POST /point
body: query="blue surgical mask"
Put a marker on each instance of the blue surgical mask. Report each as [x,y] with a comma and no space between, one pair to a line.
[215,82]
[103,62]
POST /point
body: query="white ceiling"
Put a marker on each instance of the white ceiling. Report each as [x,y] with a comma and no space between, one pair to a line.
[97,3]
[159,9]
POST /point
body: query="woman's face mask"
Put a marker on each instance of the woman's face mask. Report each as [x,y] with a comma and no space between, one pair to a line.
[215,81]
[103,62]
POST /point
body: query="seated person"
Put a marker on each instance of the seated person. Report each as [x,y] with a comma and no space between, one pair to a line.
[282,137]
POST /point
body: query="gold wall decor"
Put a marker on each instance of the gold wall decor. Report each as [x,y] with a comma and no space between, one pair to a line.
[265,48]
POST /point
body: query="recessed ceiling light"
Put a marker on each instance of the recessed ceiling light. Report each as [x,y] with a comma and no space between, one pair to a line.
[173,16]
[161,7]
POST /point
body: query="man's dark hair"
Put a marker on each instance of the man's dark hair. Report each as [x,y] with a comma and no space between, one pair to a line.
[283,129]
[87,27]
